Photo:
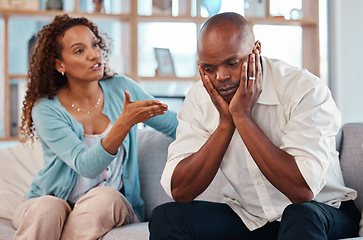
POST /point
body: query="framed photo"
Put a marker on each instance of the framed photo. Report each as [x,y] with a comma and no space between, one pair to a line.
[165,62]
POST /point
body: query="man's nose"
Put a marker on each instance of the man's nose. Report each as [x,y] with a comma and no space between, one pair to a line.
[222,74]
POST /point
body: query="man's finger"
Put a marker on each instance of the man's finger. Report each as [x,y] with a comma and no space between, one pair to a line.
[244,74]
[251,69]
[258,67]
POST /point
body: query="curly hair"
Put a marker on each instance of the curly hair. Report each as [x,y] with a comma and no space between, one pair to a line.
[43,78]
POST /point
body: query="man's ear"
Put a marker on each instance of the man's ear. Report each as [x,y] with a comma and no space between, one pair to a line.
[258,46]
[59,66]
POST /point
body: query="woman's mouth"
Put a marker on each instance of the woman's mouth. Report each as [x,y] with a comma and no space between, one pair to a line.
[97,66]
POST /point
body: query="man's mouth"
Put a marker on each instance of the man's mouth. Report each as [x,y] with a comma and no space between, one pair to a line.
[227,90]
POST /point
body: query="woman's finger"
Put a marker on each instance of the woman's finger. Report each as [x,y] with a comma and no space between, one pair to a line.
[127,97]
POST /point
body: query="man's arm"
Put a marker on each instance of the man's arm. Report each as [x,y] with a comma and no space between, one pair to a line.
[194,174]
[278,166]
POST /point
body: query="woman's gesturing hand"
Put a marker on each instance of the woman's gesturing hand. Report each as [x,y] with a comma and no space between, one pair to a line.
[140,111]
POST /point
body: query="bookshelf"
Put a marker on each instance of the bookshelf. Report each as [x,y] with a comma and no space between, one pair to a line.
[129,23]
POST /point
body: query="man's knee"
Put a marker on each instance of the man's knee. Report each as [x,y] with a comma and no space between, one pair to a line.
[168,220]
[166,212]
[301,212]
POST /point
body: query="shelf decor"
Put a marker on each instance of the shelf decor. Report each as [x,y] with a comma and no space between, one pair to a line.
[54,4]
[19,4]
[165,62]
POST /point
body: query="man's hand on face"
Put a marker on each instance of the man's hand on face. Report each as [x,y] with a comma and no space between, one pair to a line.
[217,99]
[249,89]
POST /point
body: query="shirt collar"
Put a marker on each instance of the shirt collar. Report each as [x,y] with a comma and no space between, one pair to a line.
[268,95]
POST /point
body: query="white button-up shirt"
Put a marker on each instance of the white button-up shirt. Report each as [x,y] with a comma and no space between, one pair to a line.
[297,113]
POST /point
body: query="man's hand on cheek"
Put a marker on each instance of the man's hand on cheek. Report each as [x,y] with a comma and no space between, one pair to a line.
[217,99]
[249,89]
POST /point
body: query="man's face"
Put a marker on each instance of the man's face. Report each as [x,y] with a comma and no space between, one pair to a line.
[221,54]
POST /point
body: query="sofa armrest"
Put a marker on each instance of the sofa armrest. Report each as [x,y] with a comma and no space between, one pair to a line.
[351,159]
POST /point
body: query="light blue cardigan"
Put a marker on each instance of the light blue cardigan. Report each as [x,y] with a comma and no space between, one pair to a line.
[65,155]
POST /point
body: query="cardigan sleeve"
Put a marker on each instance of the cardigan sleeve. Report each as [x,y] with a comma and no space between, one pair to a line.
[61,137]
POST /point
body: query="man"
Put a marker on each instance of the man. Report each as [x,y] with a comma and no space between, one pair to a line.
[270,127]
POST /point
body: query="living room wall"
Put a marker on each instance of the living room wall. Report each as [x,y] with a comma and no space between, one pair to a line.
[346,51]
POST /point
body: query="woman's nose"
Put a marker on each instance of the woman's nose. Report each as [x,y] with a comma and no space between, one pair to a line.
[95,53]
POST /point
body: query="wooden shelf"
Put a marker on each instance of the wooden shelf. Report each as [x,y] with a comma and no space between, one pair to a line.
[169,18]
[279,21]
[41,14]
[170,78]
[17,76]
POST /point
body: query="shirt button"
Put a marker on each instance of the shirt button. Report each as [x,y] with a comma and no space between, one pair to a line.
[107,169]
[259,183]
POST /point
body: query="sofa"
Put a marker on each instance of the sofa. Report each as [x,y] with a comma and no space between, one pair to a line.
[21,162]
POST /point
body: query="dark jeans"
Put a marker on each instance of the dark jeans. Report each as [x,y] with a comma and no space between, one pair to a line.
[207,220]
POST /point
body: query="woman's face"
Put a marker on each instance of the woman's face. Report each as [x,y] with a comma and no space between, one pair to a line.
[81,55]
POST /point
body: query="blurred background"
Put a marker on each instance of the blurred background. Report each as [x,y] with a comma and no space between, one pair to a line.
[154,43]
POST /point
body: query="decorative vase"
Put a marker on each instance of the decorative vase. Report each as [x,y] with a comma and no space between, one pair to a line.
[212,6]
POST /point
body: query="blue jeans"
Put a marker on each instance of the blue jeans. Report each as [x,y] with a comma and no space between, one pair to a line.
[207,220]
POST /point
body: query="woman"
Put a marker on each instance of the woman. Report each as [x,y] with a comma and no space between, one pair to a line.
[85,118]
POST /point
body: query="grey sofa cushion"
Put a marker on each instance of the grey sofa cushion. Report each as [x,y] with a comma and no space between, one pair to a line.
[351,158]
[152,155]
[135,231]
[6,229]
[153,146]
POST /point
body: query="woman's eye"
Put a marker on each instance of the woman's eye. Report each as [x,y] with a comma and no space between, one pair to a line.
[79,51]
[97,44]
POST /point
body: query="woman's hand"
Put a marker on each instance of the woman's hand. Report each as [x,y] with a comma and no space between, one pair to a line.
[249,89]
[132,113]
[140,111]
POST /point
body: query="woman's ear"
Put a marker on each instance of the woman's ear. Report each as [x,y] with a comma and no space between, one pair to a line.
[59,66]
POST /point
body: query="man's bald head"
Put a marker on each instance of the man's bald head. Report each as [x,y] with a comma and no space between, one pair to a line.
[226,24]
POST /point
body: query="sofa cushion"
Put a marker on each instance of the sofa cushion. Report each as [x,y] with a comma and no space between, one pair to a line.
[6,229]
[351,159]
[18,164]
[152,155]
[139,231]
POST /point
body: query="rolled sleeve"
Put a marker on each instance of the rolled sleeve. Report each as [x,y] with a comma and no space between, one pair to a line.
[310,135]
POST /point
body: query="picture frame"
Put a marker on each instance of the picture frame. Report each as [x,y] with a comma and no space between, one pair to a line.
[165,62]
